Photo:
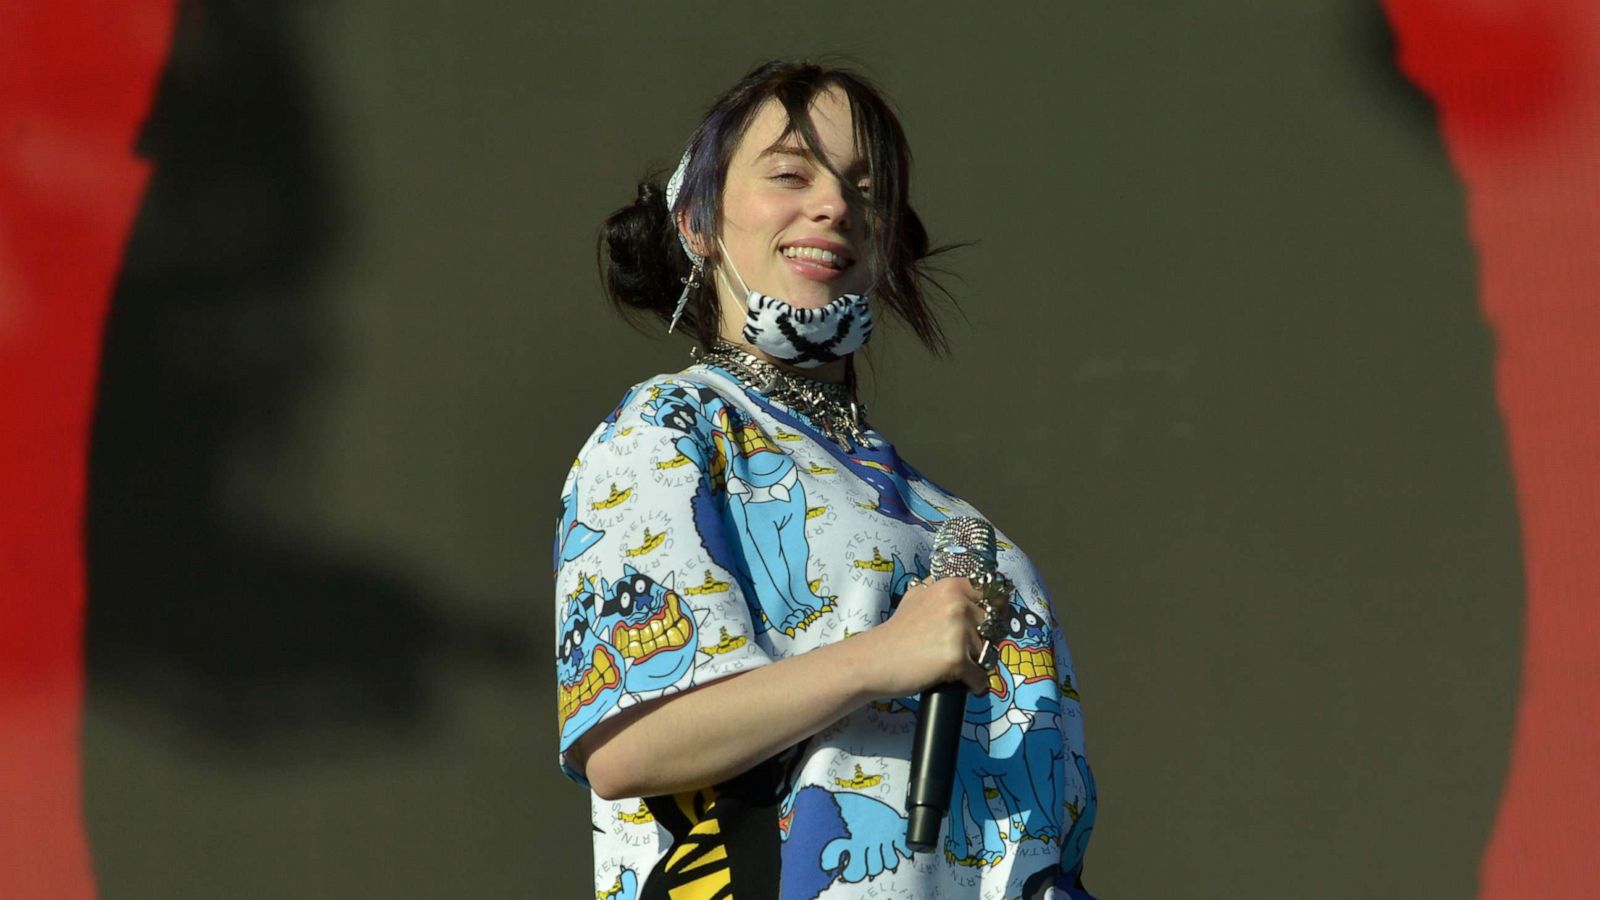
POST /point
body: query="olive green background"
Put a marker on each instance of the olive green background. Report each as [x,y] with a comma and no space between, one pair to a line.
[1221,372]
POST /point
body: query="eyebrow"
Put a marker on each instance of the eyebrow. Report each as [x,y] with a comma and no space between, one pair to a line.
[804,153]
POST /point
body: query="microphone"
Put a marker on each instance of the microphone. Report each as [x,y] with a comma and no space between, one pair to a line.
[962,547]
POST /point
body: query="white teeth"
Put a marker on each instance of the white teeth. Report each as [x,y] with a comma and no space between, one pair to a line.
[817,253]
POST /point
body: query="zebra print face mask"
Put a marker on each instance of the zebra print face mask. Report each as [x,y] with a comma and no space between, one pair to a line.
[805,338]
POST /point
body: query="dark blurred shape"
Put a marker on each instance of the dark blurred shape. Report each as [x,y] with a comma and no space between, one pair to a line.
[209,348]
[1373,41]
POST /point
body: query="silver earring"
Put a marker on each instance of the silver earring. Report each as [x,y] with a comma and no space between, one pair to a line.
[690,282]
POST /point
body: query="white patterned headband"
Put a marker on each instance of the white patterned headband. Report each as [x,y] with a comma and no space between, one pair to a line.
[674,187]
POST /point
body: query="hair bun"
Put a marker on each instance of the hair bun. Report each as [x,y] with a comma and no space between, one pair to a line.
[652,195]
[640,260]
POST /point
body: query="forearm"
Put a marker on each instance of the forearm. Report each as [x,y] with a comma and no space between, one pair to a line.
[711,733]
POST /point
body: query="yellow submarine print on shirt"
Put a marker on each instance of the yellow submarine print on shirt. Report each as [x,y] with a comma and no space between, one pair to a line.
[675,462]
[860,780]
[877,563]
[639,817]
[651,542]
[612,499]
[727,643]
[708,586]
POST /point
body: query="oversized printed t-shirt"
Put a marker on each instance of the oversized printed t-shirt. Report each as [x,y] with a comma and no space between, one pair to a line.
[705,531]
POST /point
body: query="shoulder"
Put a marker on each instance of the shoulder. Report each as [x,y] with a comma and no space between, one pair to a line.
[661,410]
[676,401]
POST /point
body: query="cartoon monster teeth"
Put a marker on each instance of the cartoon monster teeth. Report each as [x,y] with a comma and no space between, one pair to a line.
[600,678]
[1032,664]
[646,622]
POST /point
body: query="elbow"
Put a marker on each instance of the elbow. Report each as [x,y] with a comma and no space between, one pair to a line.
[606,776]
[606,784]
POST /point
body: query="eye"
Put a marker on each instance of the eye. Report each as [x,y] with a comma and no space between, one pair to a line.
[625,601]
[789,177]
[640,586]
[1016,627]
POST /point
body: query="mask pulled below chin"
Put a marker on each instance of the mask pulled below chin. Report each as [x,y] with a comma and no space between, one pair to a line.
[807,338]
[804,338]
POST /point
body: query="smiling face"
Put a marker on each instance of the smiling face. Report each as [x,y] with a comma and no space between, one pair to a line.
[791,228]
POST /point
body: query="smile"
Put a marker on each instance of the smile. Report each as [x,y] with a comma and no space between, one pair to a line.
[817,255]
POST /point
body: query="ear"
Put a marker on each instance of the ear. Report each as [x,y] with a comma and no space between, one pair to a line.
[696,242]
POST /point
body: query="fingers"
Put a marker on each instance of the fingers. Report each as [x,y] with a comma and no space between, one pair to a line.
[975,677]
[963,586]
[974,640]
[957,606]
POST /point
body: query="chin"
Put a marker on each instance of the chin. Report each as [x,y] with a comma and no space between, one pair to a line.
[812,298]
[811,302]
[807,296]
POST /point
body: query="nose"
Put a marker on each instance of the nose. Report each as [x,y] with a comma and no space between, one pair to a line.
[829,204]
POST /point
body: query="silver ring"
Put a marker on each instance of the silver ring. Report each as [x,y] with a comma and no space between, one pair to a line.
[996,588]
[990,628]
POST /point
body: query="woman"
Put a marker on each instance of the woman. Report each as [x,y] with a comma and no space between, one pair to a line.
[744,616]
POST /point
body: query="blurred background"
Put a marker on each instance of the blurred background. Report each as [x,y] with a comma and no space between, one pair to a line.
[1222,312]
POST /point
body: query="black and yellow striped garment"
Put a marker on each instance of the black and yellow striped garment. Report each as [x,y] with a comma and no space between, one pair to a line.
[725,840]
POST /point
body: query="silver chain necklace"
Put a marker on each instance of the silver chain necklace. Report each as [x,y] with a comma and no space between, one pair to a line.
[831,408]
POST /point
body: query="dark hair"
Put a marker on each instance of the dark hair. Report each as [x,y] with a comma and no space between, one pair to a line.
[642,262]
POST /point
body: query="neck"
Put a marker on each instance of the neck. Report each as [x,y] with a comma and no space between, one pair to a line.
[832,372]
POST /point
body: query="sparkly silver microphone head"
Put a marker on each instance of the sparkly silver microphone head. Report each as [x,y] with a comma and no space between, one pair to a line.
[963,547]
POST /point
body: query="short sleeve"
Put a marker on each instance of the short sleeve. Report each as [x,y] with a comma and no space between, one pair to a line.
[648,597]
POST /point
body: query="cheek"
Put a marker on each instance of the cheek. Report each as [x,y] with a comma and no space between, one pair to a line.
[762,216]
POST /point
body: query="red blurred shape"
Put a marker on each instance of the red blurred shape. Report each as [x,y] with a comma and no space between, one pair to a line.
[77,82]
[1506,66]
[1517,86]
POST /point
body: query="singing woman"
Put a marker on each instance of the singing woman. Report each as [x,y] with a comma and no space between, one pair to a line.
[745,612]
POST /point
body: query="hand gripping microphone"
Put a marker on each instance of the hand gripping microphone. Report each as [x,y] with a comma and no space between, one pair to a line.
[962,547]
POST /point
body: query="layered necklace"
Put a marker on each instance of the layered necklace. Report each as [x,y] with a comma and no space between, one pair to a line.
[831,408]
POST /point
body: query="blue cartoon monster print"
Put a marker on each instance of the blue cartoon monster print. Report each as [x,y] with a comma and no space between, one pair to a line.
[588,670]
[837,836]
[573,538]
[766,503]
[880,467]
[650,626]
[1076,842]
[1027,655]
[1012,749]
[900,576]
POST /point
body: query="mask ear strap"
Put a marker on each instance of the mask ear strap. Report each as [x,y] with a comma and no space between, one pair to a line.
[727,258]
[726,283]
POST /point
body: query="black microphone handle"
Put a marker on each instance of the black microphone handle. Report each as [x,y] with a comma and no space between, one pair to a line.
[962,546]
[933,762]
